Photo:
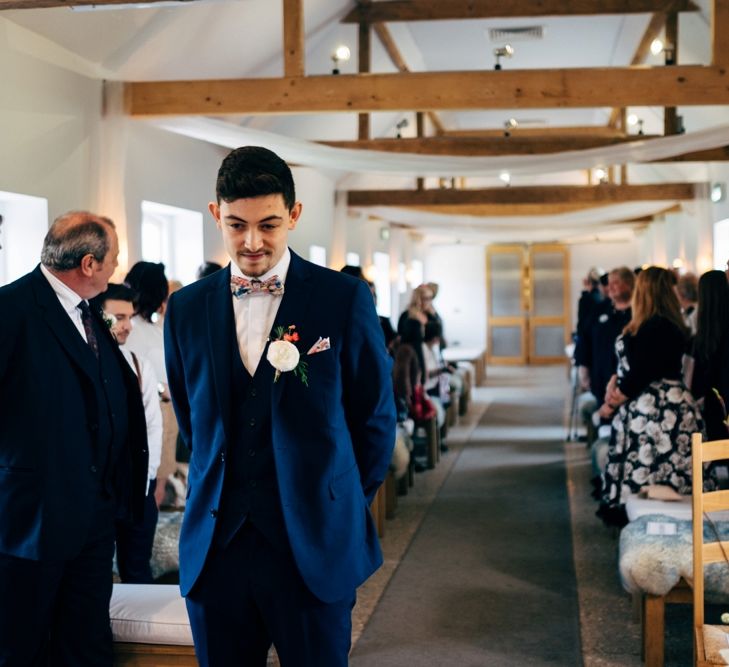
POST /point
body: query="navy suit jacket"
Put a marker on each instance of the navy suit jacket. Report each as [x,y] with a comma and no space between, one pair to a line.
[48,434]
[332,439]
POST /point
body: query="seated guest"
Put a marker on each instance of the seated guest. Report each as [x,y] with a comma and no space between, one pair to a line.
[687,287]
[654,414]
[134,540]
[407,367]
[595,349]
[420,307]
[710,377]
[207,269]
[436,378]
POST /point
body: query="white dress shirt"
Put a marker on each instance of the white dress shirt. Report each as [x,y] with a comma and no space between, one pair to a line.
[255,314]
[68,298]
[152,411]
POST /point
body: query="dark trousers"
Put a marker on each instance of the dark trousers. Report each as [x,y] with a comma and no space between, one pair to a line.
[134,543]
[57,612]
[250,595]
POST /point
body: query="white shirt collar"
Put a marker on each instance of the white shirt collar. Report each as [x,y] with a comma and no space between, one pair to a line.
[68,298]
[280,269]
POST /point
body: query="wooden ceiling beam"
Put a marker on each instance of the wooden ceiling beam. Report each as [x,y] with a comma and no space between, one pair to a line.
[293,37]
[566,131]
[503,210]
[388,43]
[437,10]
[539,194]
[482,146]
[720,154]
[719,32]
[425,91]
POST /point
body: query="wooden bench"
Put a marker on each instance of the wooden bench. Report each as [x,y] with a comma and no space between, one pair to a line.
[655,566]
[473,355]
[150,626]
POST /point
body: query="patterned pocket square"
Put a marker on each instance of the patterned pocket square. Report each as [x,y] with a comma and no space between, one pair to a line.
[320,345]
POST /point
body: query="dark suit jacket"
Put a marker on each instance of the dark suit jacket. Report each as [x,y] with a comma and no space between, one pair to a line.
[48,411]
[332,440]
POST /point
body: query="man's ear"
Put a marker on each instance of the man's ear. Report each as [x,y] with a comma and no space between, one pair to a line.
[87,265]
[214,209]
[295,214]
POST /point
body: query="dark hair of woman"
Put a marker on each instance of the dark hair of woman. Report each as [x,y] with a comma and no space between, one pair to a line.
[148,280]
[412,334]
[712,319]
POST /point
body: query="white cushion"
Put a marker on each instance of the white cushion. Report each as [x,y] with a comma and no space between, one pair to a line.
[677,509]
[149,614]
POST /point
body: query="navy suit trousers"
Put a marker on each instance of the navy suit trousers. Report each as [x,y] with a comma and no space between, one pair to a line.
[251,595]
[57,612]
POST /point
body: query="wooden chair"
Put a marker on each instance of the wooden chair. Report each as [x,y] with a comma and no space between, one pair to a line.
[711,642]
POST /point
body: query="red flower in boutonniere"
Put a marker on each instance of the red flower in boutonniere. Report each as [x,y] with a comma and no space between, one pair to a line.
[284,356]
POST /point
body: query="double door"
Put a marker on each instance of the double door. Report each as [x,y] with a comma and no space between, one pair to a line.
[528,303]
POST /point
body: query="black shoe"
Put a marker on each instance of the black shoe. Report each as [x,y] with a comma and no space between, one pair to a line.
[444,448]
[419,467]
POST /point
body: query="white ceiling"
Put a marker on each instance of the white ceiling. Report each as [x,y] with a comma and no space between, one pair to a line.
[243,39]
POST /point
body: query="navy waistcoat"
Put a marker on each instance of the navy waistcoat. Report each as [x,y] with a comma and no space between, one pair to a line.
[250,489]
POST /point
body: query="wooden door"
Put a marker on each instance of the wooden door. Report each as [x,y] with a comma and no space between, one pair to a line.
[528,303]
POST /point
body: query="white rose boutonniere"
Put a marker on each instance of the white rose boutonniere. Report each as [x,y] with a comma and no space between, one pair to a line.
[284,356]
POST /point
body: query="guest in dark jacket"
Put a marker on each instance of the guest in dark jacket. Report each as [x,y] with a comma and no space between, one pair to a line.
[407,370]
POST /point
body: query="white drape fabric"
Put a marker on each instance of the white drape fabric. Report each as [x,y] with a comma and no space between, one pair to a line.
[312,154]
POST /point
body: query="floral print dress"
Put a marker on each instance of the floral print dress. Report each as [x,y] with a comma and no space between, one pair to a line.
[651,437]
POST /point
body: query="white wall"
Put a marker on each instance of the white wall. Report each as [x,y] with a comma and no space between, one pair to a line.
[48,121]
[460,271]
[316,225]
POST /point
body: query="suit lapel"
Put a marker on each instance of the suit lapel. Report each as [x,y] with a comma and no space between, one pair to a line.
[294,304]
[220,323]
[61,326]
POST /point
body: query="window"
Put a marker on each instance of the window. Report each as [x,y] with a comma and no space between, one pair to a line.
[352,259]
[318,255]
[402,283]
[173,236]
[382,282]
[25,223]
[416,273]
[721,244]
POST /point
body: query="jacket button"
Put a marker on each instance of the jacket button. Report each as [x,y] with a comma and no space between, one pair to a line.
[252,392]
[253,483]
[213,513]
[251,452]
[252,422]
[93,469]
[222,457]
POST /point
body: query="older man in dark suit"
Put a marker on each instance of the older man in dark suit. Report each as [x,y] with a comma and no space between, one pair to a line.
[73,451]
[281,382]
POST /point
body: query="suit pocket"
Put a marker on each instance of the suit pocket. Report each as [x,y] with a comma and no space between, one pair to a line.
[344,482]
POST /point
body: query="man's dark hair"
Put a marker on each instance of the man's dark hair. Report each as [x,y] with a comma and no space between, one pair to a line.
[253,171]
[207,269]
[150,283]
[352,270]
[114,292]
[74,235]
[433,330]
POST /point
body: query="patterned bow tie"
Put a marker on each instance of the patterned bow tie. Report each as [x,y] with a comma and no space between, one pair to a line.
[242,286]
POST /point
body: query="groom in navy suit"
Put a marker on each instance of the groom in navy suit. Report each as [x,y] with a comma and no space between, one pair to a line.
[281,383]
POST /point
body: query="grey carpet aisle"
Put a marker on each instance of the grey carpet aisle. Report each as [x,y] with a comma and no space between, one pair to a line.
[489,577]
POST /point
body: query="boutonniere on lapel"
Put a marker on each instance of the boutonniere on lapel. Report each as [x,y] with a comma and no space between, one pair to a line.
[284,356]
[109,319]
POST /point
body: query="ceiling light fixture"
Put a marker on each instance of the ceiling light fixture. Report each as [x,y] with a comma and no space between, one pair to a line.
[500,52]
[401,124]
[600,174]
[718,192]
[341,54]
[656,46]
[505,177]
[509,125]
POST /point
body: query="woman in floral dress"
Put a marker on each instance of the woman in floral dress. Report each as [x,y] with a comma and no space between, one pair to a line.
[654,413]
